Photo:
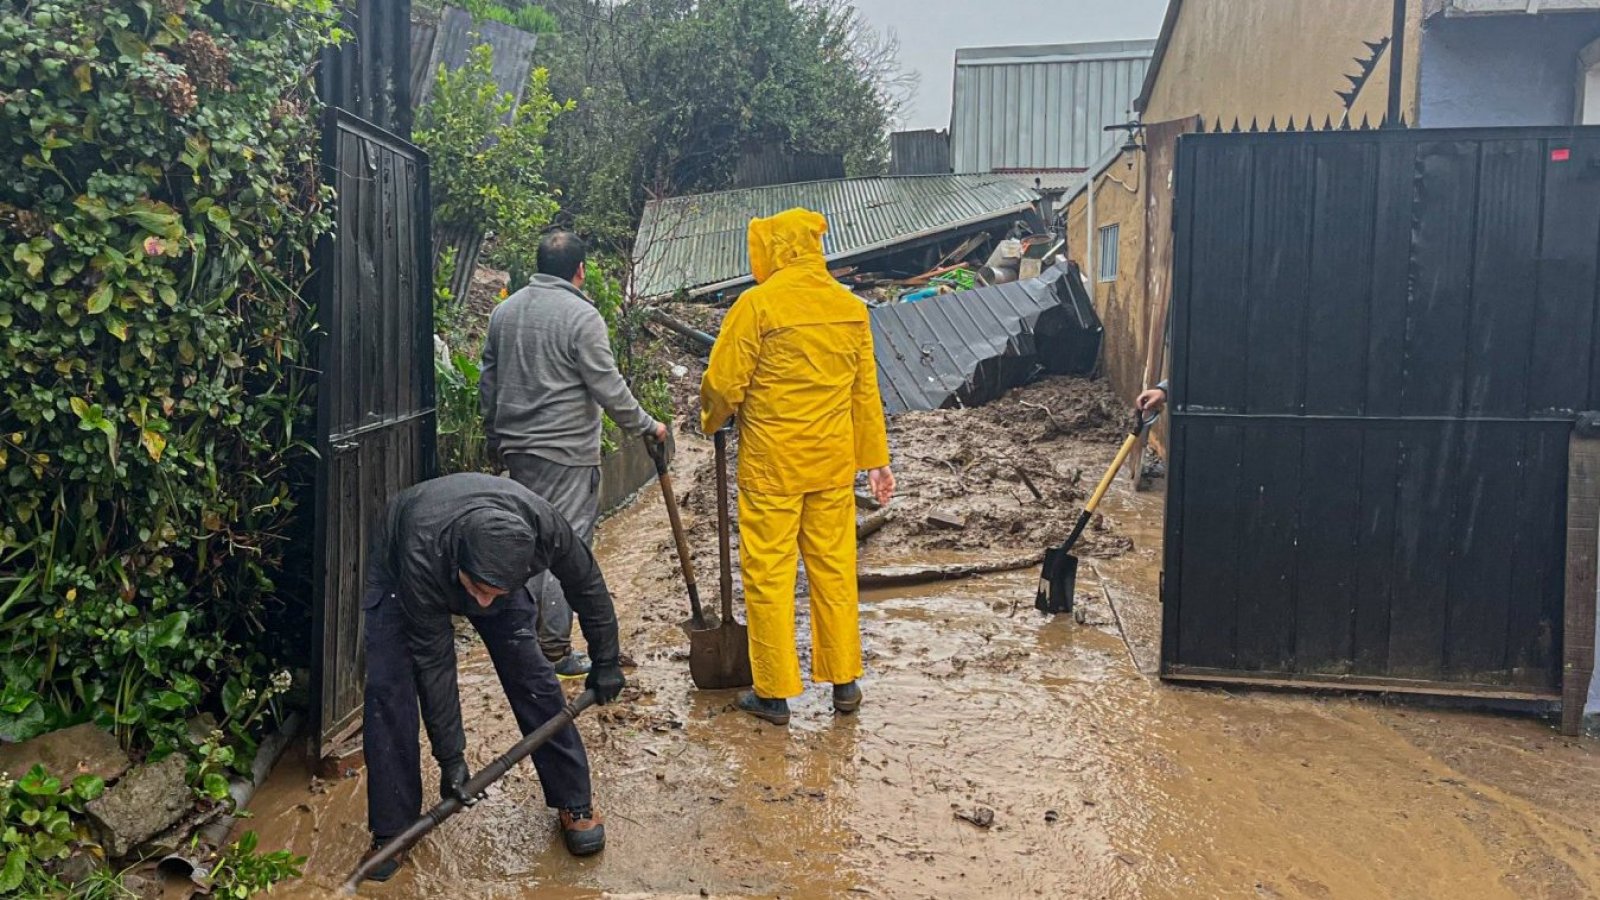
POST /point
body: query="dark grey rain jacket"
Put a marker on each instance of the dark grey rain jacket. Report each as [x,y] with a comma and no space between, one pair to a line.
[501,534]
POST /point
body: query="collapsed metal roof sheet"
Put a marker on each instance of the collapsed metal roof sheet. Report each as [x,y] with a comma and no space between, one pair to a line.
[970,347]
[1043,107]
[697,243]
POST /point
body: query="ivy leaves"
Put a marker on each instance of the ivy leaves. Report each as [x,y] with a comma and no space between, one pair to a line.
[156,226]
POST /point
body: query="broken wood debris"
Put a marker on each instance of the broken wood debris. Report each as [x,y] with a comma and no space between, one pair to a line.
[872,523]
[902,576]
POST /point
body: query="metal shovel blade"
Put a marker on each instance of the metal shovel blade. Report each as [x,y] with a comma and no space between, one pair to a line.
[1058,582]
[719,658]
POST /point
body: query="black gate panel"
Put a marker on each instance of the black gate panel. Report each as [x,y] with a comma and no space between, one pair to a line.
[376,410]
[1380,342]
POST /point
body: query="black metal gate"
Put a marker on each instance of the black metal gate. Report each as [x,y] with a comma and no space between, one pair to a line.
[375,397]
[1381,339]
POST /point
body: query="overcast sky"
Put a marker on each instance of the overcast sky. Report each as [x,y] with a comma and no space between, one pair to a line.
[931,30]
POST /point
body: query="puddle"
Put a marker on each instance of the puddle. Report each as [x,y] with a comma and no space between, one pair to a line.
[1101,782]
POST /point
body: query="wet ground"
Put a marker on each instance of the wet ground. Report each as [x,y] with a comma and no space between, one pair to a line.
[999,754]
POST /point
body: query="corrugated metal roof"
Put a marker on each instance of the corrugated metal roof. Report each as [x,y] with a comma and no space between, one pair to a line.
[1042,107]
[970,347]
[697,243]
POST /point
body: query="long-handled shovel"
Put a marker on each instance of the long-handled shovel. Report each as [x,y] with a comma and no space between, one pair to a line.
[474,787]
[1059,577]
[697,620]
[720,657]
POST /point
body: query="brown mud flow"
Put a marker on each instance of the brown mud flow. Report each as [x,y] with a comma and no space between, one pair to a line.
[999,753]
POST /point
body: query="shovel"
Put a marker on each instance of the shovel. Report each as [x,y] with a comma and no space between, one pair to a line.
[1059,577]
[697,618]
[719,657]
[474,787]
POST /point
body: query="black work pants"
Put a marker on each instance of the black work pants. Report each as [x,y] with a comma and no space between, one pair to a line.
[392,719]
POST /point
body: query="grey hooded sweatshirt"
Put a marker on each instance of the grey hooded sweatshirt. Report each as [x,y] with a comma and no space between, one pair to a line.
[547,372]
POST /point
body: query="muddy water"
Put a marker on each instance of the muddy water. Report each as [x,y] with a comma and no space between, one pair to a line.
[1100,781]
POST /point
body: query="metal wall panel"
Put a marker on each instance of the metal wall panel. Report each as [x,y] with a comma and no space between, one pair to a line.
[924,152]
[1043,107]
[1380,341]
[972,346]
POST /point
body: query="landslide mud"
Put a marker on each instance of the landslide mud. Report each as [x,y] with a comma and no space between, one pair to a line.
[999,753]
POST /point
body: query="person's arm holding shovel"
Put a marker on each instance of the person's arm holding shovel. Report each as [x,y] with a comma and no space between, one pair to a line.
[1153,400]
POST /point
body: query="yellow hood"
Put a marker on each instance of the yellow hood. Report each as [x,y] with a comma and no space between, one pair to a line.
[790,238]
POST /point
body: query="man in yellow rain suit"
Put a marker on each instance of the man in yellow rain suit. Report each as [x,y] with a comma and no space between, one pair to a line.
[794,365]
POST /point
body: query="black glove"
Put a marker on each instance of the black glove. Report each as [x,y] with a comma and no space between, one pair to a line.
[453,777]
[606,681]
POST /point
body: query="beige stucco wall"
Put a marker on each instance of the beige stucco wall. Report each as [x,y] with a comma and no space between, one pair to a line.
[1262,59]
[1118,200]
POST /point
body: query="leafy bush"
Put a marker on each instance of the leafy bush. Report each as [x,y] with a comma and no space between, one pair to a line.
[462,447]
[625,326]
[36,813]
[159,196]
[532,19]
[486,155]
[241,871]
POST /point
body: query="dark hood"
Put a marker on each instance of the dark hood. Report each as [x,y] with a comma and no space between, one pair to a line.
[495,547]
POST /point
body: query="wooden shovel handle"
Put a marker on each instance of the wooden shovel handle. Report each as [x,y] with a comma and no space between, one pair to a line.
[658,453]
[724,526]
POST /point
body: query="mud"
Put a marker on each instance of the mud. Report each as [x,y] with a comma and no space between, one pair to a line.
[999,753]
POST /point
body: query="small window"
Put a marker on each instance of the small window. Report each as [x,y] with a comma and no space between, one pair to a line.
[1109,242]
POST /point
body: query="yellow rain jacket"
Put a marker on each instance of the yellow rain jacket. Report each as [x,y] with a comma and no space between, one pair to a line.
[794,360]
[794,363]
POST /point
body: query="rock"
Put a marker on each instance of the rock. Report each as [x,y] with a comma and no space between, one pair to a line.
[945,519]
[143,804]
[981,816]
[66,754]
[80,867]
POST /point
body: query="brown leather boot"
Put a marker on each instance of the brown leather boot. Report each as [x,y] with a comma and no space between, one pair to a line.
[584,831]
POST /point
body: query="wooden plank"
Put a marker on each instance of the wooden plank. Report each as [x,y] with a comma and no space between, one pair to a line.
[1482,533]
[1269,520]
[1436,344]
[1391,277]
[1534,622]
[1505,265]
[1280,257]
[1161,155]
[1422,557]
[1217,277]
[1327,564]
[1170,584]
[1209,572]
[1583,537]
[1338,305]
[1379,486]
[1563,364]
[393,303]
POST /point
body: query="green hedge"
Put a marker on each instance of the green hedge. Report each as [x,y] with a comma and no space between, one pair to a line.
[159,196]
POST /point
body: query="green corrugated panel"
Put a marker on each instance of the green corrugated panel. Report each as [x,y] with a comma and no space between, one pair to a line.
[697,243]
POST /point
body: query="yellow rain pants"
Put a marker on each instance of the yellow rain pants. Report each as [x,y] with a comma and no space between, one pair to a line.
[794,363]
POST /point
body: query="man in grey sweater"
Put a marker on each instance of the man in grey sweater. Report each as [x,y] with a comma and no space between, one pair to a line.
[547,372]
